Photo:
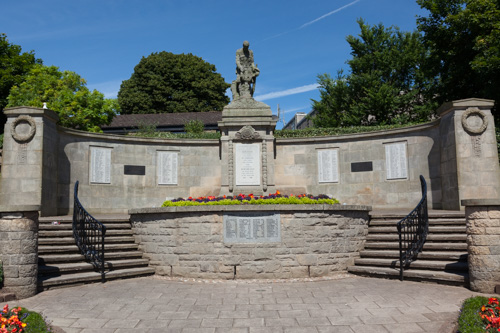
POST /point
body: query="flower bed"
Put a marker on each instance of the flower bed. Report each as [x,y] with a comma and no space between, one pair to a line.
[479,314]
[241,199]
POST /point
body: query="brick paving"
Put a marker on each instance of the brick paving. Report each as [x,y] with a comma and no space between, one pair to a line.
[342,304]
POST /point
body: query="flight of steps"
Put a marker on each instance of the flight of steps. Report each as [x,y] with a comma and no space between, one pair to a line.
[442,260]
[61,264]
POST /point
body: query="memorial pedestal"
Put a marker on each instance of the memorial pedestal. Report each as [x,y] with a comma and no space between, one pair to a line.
[247,144]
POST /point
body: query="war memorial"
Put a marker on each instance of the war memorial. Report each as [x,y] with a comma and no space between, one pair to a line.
[456,154]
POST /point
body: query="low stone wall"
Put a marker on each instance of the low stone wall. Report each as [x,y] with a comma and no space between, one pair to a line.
[483,242]
[19,249]
[316,240]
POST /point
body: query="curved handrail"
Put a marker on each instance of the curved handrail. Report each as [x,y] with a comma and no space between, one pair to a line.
[89,235]
[412,231]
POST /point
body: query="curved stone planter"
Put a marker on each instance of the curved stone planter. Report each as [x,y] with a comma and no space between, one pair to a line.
[315,240]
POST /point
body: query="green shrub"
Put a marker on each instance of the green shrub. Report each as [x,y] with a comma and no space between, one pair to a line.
[1,140]
[194,126]
[469,320]
[34,321]
[313,132]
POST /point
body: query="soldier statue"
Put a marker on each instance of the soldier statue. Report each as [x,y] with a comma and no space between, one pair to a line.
[246,73]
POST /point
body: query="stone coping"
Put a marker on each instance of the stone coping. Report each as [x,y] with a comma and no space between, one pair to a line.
[19,208]
[364,135]
[251,208]
[481,202]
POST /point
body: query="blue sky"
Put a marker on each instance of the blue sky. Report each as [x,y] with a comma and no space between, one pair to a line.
[293,41]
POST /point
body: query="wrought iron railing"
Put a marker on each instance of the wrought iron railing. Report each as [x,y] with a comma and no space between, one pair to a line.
[89,235]
[413,230]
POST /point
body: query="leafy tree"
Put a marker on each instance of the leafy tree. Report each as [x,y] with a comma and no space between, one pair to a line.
[14,66]
[194,126]
[65,93]
[165,82]
[385,84]
[463,37]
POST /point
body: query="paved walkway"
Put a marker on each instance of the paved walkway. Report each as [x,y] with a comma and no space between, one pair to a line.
[343,304]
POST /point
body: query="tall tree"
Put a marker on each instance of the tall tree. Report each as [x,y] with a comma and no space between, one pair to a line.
[65,93]
[166,82]
[385,84]
[14,66]
[463,37]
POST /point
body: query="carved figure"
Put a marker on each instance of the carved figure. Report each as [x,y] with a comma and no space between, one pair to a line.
[246,73]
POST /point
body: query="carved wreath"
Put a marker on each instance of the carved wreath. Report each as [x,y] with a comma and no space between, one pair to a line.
[474,112]
[247,133]
[29,135]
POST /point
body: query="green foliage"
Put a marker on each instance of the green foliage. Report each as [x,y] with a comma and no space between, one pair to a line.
[165,82]
[385,84]
[65,93]
[147,130]
[194,126]
[463,39]
[275,201]
[34,322]
[469,320]
[169,135]
[1,141]
[14,66]
[321,131]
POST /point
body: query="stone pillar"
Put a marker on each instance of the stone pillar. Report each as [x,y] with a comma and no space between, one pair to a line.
[30,150]
[483,244]
[19,249]
[469,156]
[247,129]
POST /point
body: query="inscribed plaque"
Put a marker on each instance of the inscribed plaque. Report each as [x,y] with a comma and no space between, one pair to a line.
[254,227]
[247,164]
[167,167]
[395,160]
[328,166]
[100,165]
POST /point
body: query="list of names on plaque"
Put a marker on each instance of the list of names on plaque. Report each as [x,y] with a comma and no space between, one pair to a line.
[167,167]
[255,227]
[328,166]
[247,164]
[100,165]
[395,160]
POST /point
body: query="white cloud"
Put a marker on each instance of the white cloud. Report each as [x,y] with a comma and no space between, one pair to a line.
[328,14]
[287,92]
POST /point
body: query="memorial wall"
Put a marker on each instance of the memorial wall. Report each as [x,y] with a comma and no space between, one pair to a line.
[456,153]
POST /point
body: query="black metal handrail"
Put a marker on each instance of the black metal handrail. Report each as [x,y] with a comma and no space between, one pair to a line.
[412,231]
[89,235]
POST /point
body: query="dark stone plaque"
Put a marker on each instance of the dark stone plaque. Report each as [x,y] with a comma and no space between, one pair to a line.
[138,170]
[361,166]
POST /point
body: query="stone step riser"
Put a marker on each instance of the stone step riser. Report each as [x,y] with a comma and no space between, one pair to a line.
[427,246]
[432,230]
[69,233]
[416,265]
[430,238]
[70,241]
[449,256]
[64,227]
[54,270]
[76,257]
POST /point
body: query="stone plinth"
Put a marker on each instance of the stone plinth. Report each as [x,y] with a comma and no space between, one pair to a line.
[314,241]
[19,249]
[483,243]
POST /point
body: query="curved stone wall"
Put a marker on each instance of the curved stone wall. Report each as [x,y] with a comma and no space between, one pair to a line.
[316,240]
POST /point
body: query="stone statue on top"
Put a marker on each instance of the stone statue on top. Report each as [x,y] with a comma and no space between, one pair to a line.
[246,73]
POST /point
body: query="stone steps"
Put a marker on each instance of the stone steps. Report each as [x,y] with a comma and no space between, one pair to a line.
[431,237]
[442,260]
[61,264]
[50,282]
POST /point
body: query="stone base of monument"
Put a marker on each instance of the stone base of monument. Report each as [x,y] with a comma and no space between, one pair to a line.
[247,147]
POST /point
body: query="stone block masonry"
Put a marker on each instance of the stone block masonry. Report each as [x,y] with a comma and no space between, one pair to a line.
[188,241]
[483,242]
[19,249]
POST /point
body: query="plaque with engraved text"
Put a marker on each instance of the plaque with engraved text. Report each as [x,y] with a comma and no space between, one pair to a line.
[395,160]
[167,167]
[100,165]
[328,166]
[254,227]
[247,164]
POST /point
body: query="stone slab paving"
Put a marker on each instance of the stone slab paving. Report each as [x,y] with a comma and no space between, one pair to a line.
[342,304]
